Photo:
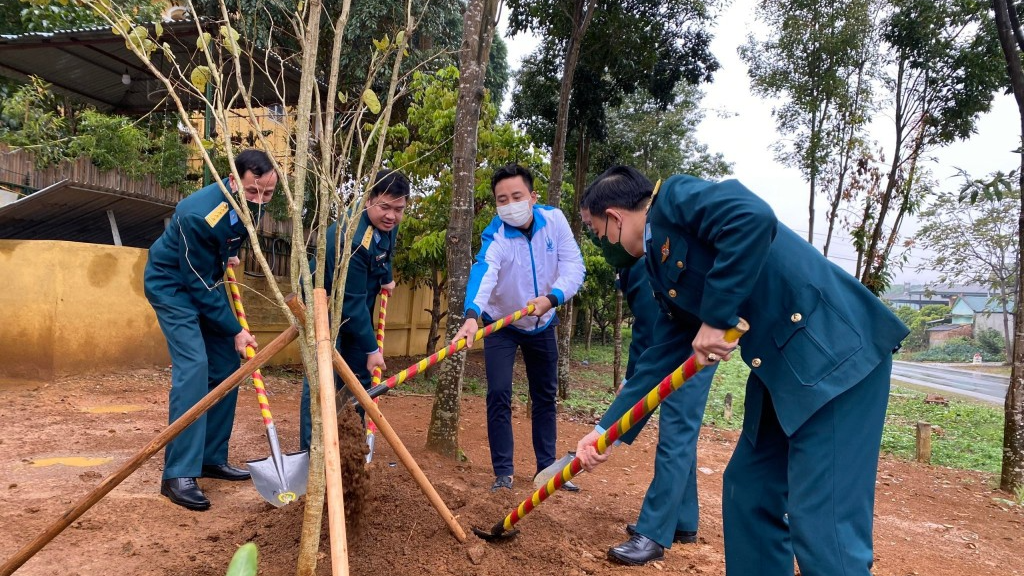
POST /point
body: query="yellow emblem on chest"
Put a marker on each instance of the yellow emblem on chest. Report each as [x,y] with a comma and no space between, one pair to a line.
[664,250]
[216,214]
[367,238]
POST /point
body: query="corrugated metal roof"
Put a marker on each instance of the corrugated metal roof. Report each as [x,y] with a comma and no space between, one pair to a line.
[88,65]
[78,213]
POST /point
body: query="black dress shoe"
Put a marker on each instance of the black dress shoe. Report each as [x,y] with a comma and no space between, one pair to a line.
[185,492]
[224,472]
[681,536]
[637,551]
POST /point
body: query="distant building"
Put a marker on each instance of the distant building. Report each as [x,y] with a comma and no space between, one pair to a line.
[938,335]
[982,313]
[917,296]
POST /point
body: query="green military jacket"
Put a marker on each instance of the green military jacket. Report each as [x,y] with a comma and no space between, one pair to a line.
[716,252]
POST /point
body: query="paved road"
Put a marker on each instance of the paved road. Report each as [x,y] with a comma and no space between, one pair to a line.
[990,388]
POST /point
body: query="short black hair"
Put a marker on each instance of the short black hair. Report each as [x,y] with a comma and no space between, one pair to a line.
[512,171]
[618,187]
[255,161]
[390,182]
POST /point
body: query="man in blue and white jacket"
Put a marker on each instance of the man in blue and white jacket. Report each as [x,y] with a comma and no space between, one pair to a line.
[528,256]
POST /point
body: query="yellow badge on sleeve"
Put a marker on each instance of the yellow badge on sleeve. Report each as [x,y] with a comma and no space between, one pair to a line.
[216,214]
[367,238]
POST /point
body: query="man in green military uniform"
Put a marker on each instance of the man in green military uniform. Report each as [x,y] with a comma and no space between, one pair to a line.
[801,480]
[369,270]
[670,509]
[184,284]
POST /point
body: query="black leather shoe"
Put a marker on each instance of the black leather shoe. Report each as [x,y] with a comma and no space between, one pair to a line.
[224,472]
[637,551]
[501,482]
[681,536]
[185,492]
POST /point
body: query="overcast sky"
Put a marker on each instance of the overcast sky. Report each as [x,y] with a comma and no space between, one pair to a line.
[741,127]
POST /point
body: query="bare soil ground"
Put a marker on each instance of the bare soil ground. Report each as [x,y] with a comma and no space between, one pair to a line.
[929,521]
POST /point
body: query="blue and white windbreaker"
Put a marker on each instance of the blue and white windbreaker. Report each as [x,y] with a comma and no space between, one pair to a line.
[510,271]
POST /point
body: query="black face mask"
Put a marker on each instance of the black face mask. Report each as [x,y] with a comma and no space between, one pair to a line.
[592,236]
[616,254]
[256,210]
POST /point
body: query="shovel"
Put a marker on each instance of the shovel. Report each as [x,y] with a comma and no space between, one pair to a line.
[504,528]
[443,353]
[371,428]
[281,478]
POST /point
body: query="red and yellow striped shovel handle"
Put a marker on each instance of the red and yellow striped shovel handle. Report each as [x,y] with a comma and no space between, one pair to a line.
[643,407]
[381,317]
[453,348]
[257,376]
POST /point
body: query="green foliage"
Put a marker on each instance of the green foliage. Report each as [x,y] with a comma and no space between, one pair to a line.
[992,344]
[245,562]
[815,70]
[432,46]
[54,131]
[598,291]
[975,243]
[971,433]
[964,349]
[56,15]
[919,321]
[659,140]
[423,150]
[657,46]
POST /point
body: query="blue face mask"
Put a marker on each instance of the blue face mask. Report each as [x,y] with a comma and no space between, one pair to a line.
[615,253]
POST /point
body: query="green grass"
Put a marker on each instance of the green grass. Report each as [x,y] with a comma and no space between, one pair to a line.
[730,378]
[970,438]
[971,435]
[601,353]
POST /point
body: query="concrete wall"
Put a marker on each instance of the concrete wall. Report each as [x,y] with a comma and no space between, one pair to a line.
[992,321]
[406,328]
[71,308]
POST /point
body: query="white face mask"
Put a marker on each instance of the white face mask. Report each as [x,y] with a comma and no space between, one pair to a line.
[516,214]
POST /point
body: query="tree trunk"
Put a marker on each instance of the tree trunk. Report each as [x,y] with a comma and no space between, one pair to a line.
[590,328]
[1012,477]
[617,364]
[478,30]
[814,179]
[583,11]
[436,315]
[568,312]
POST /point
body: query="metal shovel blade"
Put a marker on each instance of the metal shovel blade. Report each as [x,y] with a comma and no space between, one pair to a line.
[548,473]
[495,534]
[280,486]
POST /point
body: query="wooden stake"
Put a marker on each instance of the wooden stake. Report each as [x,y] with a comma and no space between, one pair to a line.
[924,442]
[169,433]
[332,451]
[728,407]
[373,411]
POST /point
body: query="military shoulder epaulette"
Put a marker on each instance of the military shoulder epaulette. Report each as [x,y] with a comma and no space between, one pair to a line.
[367,238]
[216,214]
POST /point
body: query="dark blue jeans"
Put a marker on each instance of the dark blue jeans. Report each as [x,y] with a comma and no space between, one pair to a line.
[540,354]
